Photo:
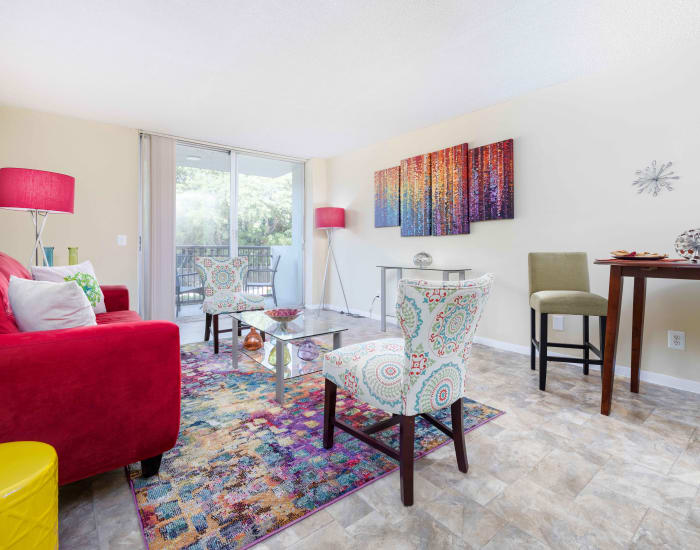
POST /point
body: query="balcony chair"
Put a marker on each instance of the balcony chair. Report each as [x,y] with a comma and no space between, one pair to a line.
[268,278]
[559,285]
[223,281]
[186,282]
[422,373]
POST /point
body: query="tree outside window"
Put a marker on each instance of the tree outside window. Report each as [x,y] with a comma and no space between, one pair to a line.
[202,206]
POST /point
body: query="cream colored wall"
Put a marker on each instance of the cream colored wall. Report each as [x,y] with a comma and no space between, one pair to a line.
[315,185]
[103,158]
[577,146]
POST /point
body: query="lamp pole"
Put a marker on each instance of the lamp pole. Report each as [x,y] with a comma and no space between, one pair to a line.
[38,244]
[330,254]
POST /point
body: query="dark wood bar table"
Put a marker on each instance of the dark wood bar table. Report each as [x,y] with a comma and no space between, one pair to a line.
[641,270]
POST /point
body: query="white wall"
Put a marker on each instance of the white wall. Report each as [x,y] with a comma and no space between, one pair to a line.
[577,146]
[103,158]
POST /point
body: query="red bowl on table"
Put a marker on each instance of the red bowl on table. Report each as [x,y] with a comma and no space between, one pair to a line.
[284,315]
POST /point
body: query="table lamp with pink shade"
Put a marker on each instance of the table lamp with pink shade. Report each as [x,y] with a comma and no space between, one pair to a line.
[40,193]
[330,218]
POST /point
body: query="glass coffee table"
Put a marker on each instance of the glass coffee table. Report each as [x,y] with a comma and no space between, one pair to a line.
[304,326]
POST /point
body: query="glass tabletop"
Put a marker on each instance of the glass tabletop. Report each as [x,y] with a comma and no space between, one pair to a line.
[308,324]
[293,364]
[426,268]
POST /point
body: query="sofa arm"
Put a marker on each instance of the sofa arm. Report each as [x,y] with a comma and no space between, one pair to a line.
[103,396]
[116,297]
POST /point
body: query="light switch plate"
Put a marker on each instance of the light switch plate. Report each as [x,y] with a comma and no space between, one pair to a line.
[676,339]
[121,240]
[557,322]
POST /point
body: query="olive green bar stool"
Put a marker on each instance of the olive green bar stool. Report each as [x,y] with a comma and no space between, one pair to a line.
[559,285]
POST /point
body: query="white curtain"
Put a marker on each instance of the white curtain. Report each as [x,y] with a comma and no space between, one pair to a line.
[158,227]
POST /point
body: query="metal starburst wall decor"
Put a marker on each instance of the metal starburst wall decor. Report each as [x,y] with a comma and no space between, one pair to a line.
[653,179]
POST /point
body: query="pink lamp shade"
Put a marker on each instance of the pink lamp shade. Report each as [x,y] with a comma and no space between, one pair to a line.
[328,217]
[25,189]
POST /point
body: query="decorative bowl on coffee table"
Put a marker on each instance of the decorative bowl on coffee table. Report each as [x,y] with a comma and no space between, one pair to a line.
[284,315]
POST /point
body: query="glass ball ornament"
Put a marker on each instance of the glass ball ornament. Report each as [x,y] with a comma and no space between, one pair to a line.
[308,351]
[688,245]
[422,259]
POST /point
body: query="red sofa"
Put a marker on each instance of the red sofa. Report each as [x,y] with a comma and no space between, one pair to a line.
[104,396]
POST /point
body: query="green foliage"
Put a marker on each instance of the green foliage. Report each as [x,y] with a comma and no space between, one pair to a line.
[265,210]
[202,208]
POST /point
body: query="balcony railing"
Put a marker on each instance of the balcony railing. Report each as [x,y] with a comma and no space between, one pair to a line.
[188,285]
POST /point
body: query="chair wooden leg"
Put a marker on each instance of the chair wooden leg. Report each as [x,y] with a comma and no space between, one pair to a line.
[457,410]
[533,335]
[207,326]
[602,319]
[329,413]
[215,318]
[406,437]
[586,339]
[543,351]
[262,335]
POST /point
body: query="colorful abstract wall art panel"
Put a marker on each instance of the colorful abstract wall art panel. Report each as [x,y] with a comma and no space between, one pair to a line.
[386,197]
[449,178]
[491,182]
[415,196]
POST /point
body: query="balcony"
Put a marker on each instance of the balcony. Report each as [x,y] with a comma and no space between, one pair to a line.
[188,286]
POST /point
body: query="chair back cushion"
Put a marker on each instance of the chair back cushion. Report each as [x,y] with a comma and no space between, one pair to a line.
[219,274]
[558,271]
[438,320]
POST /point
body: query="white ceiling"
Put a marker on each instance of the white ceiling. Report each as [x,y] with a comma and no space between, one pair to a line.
[313,77]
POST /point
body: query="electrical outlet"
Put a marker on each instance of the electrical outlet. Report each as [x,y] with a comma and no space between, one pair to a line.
[676,339]
[557,322]
[121,240]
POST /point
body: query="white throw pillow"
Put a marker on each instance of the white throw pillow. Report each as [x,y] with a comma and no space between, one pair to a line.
[43,305]
[83,274]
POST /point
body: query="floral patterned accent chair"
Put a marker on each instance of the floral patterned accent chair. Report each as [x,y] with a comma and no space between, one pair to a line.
[416,375]
[223,280]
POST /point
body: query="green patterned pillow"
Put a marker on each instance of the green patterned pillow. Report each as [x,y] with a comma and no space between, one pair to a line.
[89,284]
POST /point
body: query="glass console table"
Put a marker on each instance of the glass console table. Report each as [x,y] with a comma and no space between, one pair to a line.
[304,326]
[446,272]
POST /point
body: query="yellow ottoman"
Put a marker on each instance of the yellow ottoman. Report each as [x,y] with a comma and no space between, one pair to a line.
[28,496]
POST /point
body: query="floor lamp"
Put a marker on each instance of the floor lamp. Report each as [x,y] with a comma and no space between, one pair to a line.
[40,193]
[330,218]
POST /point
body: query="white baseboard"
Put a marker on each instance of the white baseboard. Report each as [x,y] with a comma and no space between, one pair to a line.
[363,313]
[684,384]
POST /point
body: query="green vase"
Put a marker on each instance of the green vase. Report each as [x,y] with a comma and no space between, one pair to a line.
[72,255]
[272,358]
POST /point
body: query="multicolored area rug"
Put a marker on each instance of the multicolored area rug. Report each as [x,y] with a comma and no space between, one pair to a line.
[244,467]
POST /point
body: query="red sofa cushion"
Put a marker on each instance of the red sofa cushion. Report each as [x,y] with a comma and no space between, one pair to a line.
[123,316]
[7,322]
[9,266]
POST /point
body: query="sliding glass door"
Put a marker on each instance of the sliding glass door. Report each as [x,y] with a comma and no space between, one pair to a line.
[270,226]
[234,204]
[202,218]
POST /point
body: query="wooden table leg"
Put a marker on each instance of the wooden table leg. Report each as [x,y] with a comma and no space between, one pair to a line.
[613,324]
[640,291]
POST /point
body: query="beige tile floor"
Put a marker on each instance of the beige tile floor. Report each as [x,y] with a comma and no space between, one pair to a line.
[550,473]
